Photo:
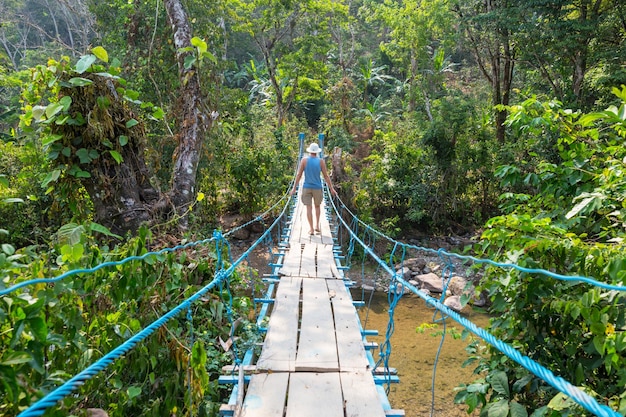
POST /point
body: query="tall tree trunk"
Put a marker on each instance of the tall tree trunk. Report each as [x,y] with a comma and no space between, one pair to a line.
[193,123]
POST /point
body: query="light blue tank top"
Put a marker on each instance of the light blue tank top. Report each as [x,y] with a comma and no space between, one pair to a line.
[312,171]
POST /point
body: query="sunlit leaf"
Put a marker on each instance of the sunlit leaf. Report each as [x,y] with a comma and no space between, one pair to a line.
[200,44]
[131,123]
[52,109]
[100,53]
[117,156]
[102,229]
[15,358]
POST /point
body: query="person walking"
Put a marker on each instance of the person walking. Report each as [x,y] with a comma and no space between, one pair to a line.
[311,167]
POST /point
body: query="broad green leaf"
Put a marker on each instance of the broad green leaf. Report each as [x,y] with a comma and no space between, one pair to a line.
[4,181]
[133,392]
[131,123]
[8,249]
[52,109]
[117,156]
[80,82]
[517,410]
[200,44]
[85,63]
[66,101]
[210,56]
[51,177]
[49,139]
[499,409]
[100,53]
[500,383]
[158,113]
[123,140]
[95,227]
[561,402]
[83,155]
[15,358]
[83,174]
[67,151]
[39,328]
[189,61]
[38,112]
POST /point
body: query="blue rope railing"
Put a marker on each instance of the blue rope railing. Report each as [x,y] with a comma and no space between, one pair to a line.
[38,408]
[580,397]
[366,238]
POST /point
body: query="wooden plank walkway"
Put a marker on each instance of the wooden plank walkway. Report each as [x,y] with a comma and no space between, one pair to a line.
[313,361]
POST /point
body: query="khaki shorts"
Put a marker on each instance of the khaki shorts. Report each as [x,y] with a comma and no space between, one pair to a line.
[311,194]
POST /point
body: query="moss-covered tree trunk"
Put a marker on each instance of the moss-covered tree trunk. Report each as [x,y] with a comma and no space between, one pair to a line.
[192,122]
[103,149]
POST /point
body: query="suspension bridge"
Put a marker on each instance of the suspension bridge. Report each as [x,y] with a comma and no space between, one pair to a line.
[315,358]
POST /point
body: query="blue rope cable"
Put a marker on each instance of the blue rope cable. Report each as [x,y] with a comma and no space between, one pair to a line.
[576,394]
[102,265]
[39,408]
[133,258]
[575,278]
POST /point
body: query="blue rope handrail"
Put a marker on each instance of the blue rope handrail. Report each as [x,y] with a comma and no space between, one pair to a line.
[136,257]
[440,252]
[557,382]
[38,408]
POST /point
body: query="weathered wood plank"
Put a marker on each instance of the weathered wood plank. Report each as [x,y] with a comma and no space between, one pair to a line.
[291,261]
[317,349]
[326,267]
[308,267]
[360,395]
[314,395]
[350,349]
[266,395]
[280,345]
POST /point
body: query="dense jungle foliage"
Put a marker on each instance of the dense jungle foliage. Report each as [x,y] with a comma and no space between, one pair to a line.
[499,120]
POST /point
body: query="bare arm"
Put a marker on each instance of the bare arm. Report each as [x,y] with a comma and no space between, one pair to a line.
[298,176]
[327,177]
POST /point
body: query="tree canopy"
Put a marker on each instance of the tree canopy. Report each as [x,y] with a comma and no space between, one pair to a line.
[501,120]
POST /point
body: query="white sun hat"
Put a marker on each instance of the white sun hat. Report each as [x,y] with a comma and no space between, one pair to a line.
[313,148]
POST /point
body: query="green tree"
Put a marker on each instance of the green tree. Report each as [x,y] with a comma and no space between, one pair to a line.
[416,30]
[565,40]
[489,27]
[293,38]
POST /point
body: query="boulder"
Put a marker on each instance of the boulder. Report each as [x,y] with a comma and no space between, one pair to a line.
[430,282]
[453,303]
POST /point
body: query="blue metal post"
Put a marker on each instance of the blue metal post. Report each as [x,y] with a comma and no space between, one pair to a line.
[320,139]
[301,137]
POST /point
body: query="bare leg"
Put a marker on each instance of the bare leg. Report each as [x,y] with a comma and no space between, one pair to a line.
[318,211]
[309,217]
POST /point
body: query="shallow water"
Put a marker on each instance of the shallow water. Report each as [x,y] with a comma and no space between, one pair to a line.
[413,354]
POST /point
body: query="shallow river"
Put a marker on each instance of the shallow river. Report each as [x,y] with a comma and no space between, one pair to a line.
[413,354]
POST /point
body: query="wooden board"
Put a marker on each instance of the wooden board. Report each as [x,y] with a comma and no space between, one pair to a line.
[308,267]
[350,349]
[326,267]
[266,395]
[279,347]
[360,395]
[317,349]
[291,261]
[314,395]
